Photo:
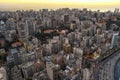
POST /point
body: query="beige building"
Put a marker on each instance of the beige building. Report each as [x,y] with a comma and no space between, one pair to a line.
[3,74]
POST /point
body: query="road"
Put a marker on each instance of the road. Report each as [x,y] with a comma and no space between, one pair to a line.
[104,62]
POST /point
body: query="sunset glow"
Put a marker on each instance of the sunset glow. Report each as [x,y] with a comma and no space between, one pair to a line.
[54,4]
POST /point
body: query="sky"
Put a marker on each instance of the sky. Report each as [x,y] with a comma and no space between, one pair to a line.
[55,4]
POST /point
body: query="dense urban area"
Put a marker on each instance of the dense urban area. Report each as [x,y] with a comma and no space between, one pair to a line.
[62,44]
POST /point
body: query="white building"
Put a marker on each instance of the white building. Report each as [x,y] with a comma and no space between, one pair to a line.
[86,74]
[114,41]
[3,74]
[52,70]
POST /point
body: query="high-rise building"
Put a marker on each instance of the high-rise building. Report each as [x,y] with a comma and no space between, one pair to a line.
[30,24]
[55,45]
[38,66]
[116,11]
[3,73]
[66,18]
[67,48]
[27,69]
[86,74]
[14,52]
[2,55]
[10,24]
[114,41]
[52,70]
[23,31]
[2,27]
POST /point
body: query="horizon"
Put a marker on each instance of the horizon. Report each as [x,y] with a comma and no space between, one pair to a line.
[89,9]
[102,5]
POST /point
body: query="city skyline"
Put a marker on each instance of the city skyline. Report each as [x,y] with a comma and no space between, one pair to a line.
[103,5]
[59,44]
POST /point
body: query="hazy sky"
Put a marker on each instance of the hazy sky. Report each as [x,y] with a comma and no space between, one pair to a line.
[54,4]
